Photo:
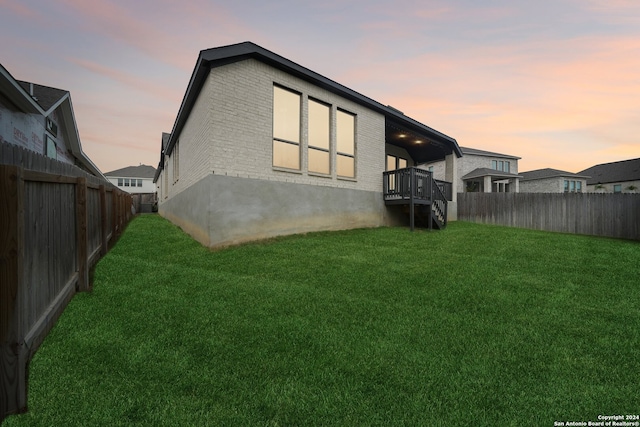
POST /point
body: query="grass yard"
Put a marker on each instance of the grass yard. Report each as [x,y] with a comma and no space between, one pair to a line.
[474,325]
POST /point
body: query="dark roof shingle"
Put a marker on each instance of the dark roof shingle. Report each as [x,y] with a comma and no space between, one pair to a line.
[45,96]
[621,171]
[548,173]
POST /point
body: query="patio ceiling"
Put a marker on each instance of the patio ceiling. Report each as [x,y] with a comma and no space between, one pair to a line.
[422,146]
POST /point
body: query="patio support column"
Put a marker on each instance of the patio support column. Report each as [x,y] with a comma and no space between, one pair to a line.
[451,175]
[487,184]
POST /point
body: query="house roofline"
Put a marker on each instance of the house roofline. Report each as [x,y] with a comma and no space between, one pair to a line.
[17,95]
[224,55]
[25,102]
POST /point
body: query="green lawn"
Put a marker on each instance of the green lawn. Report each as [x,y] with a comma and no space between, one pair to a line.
[473,325]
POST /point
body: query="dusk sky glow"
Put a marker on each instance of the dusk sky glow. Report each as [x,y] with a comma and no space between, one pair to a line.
[556,82]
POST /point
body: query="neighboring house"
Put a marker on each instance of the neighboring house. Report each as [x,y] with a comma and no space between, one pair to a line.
[481,171]
[552,181]
[615,177]
[134,179]
[137,181]
[40,118]
[262,147]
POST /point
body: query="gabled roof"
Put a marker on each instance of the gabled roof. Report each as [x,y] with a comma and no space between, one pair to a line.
[142,171]
[224,55]
[476,152]
[549,173]
[51,100]
[47,97]
[482,172]
[621,171]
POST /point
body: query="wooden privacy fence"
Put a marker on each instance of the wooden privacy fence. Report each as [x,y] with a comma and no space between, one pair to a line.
[56,221]
[610,215]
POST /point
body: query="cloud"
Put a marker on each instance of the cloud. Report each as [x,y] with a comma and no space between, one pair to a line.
[21,10]
[142,84]
[169,32]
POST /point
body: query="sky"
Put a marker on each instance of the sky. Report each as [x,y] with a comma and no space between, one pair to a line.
[555,82]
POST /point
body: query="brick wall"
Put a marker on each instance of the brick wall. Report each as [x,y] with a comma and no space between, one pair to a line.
[229,131]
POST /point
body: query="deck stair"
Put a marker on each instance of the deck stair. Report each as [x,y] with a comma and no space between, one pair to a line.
[423,197]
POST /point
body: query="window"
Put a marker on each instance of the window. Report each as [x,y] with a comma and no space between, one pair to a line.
[572,186]
[394,163]
[286,128]
[120,182]
[319,125]
[52,149]
[139,183]
[345,144]
[126,182]
[617,188]
[430,169]
[501,165]
[175,155]
[165,176]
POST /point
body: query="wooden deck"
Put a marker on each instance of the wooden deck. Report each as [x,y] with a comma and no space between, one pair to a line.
[414,187]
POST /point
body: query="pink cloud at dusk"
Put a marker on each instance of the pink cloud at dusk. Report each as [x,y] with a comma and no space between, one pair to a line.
[554,82]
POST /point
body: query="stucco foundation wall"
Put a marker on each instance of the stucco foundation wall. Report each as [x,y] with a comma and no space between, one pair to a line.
[223,210]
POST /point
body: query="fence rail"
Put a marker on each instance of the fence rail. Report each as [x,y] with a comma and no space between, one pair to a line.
[56,221]
[610,215]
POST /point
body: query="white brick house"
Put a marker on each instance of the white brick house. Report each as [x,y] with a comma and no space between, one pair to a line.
[262,146]
[480,171]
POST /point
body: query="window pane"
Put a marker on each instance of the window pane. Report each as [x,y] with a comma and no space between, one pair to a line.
[579,186]
[319,161]
[126,182]
[391,162]
[494,164]
[402,163]
[566,185]
[286,155]
[346,166]
[501,166]
[345,129]
[507,167]
[572,186]
[318,125]
[119,182]
[286,115]
[617,188]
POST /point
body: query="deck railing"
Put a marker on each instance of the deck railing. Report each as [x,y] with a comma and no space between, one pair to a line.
[397,185]
[415,186]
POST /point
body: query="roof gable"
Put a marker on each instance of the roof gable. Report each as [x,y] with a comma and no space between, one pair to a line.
[46,97]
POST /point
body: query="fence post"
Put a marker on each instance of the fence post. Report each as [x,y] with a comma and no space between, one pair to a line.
[13,382]
[103,220]
[81,215]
